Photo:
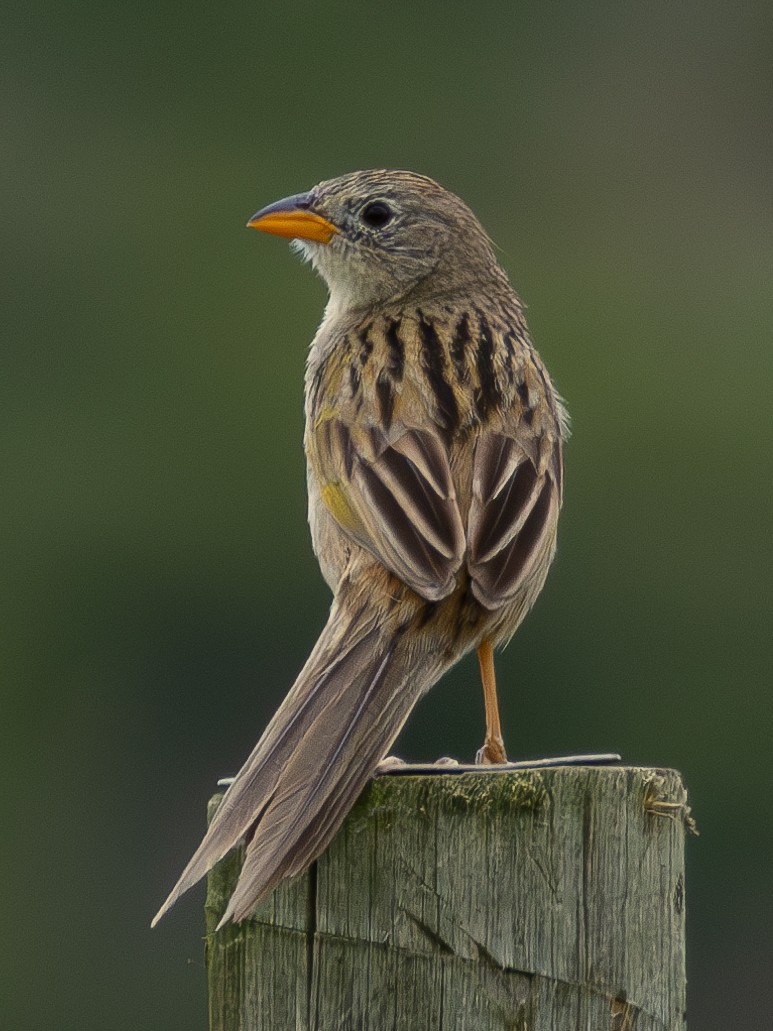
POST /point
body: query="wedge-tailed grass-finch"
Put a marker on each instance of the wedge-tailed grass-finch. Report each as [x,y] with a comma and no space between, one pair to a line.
[433,442]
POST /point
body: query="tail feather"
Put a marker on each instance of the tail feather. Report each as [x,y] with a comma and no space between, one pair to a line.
[347,706]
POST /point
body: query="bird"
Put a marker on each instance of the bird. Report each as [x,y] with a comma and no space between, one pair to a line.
[434,450]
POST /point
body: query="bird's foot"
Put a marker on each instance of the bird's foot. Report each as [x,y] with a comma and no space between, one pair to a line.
[394,764]
[389,763]
[225,782]
[492,753]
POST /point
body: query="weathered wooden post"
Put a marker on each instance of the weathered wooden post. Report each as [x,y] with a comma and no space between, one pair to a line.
[542,900]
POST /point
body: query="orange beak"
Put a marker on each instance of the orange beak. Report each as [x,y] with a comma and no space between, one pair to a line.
[293,218]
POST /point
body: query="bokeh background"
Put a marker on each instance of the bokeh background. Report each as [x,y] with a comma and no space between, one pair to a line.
[159,590]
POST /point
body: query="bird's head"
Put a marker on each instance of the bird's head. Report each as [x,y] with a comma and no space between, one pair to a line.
[380,236]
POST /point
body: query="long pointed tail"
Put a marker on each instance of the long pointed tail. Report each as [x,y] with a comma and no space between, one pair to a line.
[346,708]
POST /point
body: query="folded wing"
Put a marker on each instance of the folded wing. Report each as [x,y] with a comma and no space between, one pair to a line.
[396,497]
[513,514]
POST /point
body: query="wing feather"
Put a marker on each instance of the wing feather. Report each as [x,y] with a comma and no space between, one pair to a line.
[402,497]
[512,519]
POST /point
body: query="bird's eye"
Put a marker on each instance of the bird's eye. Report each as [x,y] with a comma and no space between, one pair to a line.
[376,214]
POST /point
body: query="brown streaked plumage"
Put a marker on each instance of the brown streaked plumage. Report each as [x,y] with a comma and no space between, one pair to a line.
[433,442]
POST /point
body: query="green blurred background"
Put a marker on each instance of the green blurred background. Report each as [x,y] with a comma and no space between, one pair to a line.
[159,587]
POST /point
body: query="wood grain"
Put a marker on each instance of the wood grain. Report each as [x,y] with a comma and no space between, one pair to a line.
[529,901]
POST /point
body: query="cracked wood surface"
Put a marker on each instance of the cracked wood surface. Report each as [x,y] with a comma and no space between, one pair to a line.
[543,900]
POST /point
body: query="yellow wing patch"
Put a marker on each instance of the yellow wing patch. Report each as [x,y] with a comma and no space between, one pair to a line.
[338,506]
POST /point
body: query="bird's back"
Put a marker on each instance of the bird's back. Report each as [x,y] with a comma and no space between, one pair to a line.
[459,373]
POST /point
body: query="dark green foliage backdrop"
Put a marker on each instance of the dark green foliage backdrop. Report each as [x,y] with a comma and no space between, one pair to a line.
[159,591]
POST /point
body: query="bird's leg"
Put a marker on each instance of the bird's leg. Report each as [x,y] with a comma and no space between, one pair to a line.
[493,751]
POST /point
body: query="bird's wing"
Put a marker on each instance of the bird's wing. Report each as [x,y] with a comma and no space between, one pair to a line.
[516,496]
[395,496]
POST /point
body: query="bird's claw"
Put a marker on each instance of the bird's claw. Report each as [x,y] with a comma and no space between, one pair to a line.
[390,762]
[492,753]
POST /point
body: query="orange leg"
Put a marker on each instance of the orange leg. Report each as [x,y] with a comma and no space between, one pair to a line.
[493,751]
